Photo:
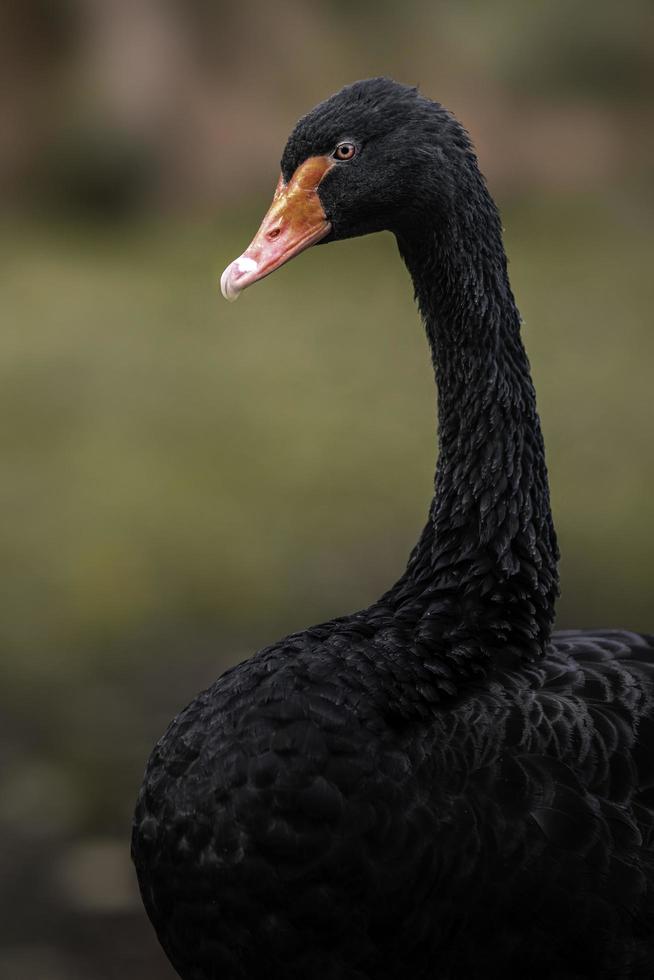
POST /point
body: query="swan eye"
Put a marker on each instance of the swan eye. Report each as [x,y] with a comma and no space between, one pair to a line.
[345,151]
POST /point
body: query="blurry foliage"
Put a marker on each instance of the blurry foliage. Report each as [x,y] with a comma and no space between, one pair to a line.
[558,48]
[45,32]
[94,174]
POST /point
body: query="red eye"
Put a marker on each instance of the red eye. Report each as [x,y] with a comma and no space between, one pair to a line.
[345,151]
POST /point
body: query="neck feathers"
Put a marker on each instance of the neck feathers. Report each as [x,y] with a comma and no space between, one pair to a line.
[485,569]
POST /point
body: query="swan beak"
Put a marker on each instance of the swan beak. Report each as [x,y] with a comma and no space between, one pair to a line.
[295,220]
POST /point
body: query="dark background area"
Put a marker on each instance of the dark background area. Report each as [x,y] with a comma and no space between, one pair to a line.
[185,480]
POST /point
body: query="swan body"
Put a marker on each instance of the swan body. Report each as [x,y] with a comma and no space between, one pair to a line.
[436,786]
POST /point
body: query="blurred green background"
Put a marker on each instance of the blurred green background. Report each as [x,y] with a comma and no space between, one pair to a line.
[185,480]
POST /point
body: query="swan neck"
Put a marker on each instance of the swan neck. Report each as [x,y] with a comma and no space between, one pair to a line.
[486,564]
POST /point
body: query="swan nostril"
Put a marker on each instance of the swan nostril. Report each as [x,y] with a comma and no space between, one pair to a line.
[273,233]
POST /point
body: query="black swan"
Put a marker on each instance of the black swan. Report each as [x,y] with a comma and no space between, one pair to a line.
[436,786]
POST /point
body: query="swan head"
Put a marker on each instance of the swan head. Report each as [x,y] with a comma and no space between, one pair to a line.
[375,156]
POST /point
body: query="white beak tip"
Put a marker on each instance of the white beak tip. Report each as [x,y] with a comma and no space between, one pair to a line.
[235,271]
[227,286]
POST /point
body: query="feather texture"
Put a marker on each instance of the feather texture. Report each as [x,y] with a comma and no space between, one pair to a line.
[436,786]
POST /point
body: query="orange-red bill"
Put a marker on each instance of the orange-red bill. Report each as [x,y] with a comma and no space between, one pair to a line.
[295,221]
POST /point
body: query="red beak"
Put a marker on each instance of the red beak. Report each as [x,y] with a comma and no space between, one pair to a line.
[295,221]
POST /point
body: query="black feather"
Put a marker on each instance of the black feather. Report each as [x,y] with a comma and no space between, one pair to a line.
[435,786]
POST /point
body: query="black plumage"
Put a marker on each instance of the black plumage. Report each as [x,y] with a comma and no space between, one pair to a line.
[436,786]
